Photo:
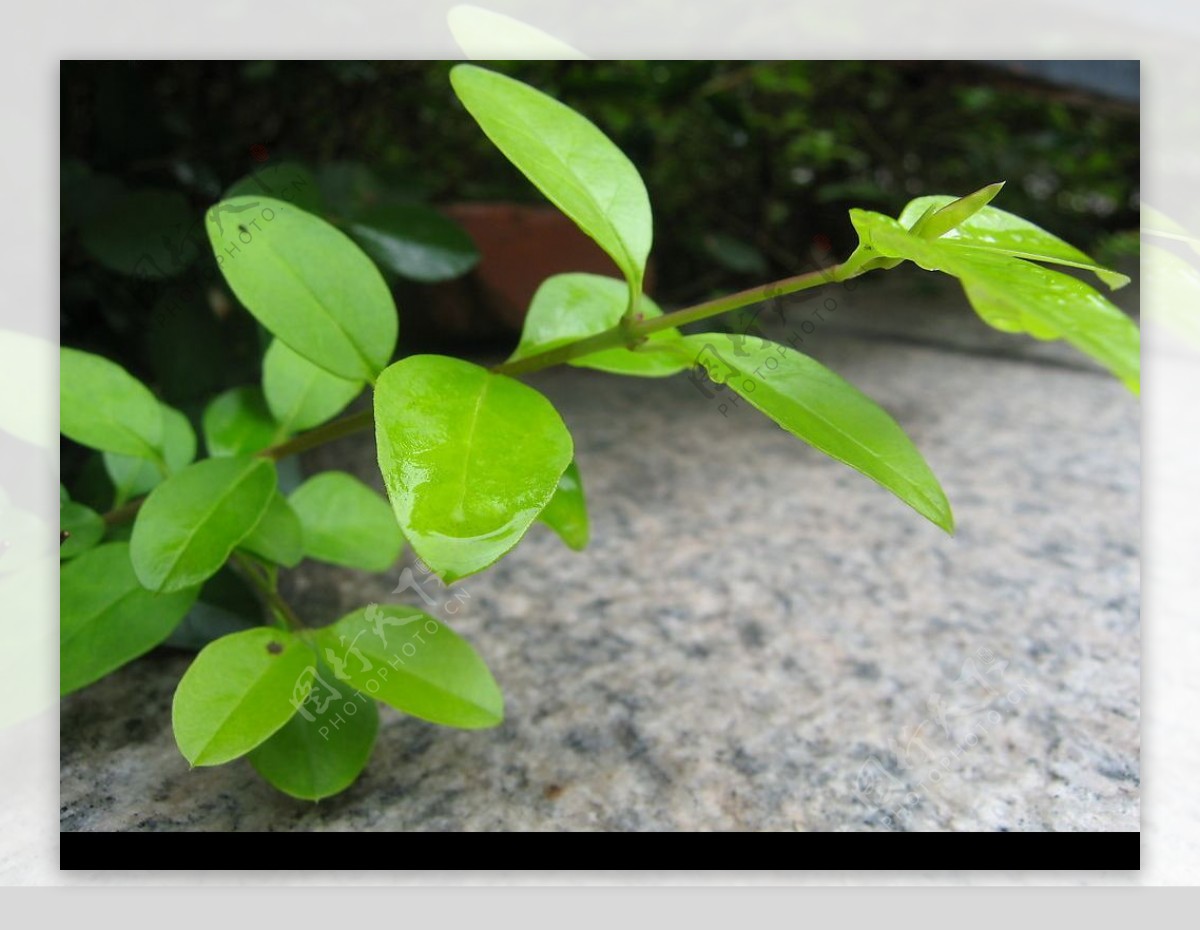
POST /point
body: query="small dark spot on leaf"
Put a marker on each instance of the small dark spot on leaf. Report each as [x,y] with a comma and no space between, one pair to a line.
[242,228]
[63,536]
[274,648]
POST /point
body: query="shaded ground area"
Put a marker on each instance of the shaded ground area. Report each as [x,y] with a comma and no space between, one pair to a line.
[758,638]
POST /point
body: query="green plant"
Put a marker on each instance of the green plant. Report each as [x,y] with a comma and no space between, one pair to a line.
[470,456]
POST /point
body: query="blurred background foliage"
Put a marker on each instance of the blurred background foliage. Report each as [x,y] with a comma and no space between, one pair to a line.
[750,166]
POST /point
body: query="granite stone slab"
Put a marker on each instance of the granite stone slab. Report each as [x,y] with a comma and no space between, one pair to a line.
[758,638]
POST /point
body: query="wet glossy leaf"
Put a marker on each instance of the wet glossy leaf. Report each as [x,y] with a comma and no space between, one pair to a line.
[346,523]
[566,513]
[84,526]
[993,230]
[307,283]
[105,407]
[278,536]
[240,690]
[325,746]
[415,241]
[469,459]
[238,422]
[830,414]
[568,159]
[415,663]
[133,476]
[302,395]
[192,521]
[1013,295]
[570,307]
[107,617]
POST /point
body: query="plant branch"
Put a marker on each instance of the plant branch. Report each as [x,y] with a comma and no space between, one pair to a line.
[124,513]
[272,600]
[335,429]
[630,332]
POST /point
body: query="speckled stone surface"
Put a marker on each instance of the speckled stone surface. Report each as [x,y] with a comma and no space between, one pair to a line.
[758,638]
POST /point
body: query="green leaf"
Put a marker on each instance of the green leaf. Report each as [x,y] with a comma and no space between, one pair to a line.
[566,513]
[104,407]
[469,459]
[415,242]
[287,181]
[240,690]
[146,233]
[1014,295]
[346,523]
[302,395]
[84,526]
[133,476]
[278,536]
[569,160]
[325,746]
[570,307]
[192,521]
[830,414]
[307,283]
[415,663]
[238,422]
[107,617]
[991,230]
[939,219]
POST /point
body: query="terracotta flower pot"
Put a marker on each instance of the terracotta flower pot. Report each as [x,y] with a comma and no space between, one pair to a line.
[520,246]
